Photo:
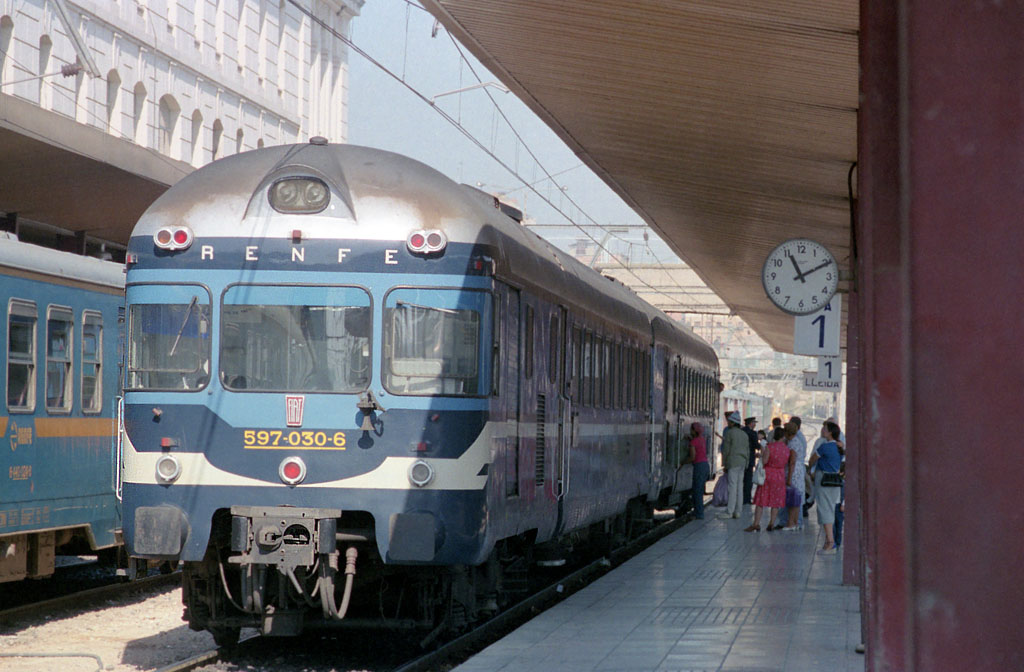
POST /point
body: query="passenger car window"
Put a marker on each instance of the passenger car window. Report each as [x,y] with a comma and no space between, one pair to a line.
[59,330]
[21,356]
[92,362]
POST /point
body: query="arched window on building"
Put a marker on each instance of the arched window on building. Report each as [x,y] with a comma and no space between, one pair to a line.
[239,144]
[6,39]
[45,91]
[114,102]
[218,133]
[139,121]
[197,139]
[260,144]
[168,134]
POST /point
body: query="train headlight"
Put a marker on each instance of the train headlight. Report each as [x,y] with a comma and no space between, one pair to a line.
[420,473]
[426,241]
[168,469]
[304,195]
[173,238]
[292,470]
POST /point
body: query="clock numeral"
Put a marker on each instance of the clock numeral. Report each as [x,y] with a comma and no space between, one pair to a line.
[773,275]
[778,290]
[814,299]
[787,301]
[824,290]
[777,263]
[801,249]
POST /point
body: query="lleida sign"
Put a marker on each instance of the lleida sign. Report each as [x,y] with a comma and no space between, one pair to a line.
[818,381]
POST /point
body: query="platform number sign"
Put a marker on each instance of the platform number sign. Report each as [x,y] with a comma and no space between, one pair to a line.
[818,333]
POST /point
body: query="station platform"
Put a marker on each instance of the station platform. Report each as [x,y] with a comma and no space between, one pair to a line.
[707,597]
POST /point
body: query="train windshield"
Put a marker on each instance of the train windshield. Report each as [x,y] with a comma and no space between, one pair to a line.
[169,340]
[295,338]
[432,341]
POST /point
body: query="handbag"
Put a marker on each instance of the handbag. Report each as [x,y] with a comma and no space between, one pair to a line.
[831,479]
[759,475]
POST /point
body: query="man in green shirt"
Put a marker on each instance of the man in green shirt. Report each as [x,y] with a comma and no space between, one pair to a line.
[735,454]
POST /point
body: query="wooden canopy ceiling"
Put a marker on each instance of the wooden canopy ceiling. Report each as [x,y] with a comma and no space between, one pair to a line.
[729,126]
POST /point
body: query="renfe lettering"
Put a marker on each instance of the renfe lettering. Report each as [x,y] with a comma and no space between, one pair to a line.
[298,254]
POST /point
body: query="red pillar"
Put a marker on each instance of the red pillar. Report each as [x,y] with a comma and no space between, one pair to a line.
[854,478]
[940,270]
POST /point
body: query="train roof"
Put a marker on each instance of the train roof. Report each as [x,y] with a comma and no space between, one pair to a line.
[30,258]
[380,195]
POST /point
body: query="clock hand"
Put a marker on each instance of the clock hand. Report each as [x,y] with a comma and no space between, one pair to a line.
[817,268]
[799,275]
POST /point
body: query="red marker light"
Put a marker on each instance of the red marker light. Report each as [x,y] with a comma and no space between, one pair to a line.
[180,237]
[292,471]
[416,241]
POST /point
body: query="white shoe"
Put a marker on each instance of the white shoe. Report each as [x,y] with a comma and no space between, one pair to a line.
[735,515]
[789,529]
[723,516]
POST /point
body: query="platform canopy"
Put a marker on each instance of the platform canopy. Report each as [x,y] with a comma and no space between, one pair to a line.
[729,126]
[58,172]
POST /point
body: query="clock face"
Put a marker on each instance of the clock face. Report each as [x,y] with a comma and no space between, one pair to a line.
[800,276]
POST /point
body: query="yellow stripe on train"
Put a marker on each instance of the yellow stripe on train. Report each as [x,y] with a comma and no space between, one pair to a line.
[74,427]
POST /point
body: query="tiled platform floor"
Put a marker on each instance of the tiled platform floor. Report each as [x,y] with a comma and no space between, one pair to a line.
[707,597]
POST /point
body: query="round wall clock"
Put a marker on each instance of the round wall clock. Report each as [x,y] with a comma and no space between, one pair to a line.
[800,276]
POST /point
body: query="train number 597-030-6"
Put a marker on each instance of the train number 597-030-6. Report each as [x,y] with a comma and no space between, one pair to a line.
[310,439]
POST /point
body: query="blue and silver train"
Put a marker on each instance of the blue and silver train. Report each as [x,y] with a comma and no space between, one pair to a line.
[59,385]
[358,391]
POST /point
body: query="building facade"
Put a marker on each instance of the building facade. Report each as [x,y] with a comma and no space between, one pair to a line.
[193,80]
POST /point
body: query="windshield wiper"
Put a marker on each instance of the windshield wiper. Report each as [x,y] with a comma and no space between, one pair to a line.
[181,330]
[406,304]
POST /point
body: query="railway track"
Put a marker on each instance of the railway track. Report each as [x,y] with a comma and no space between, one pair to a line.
[85,599]
[458,649]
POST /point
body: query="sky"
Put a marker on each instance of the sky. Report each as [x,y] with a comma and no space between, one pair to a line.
[384,113]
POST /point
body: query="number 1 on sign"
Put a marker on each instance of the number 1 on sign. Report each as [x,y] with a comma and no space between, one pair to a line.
[820,321]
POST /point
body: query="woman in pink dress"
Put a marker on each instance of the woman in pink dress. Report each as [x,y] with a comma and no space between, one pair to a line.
[777,459]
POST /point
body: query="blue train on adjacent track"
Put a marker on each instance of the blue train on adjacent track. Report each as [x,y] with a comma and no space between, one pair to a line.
[60,384]
[356,391]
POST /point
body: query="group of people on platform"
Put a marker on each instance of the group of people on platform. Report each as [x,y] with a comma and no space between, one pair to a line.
[790,486]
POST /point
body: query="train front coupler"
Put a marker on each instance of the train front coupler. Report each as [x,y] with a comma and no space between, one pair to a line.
[300,545]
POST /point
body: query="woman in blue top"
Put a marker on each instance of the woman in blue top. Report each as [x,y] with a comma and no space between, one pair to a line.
[827,458]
